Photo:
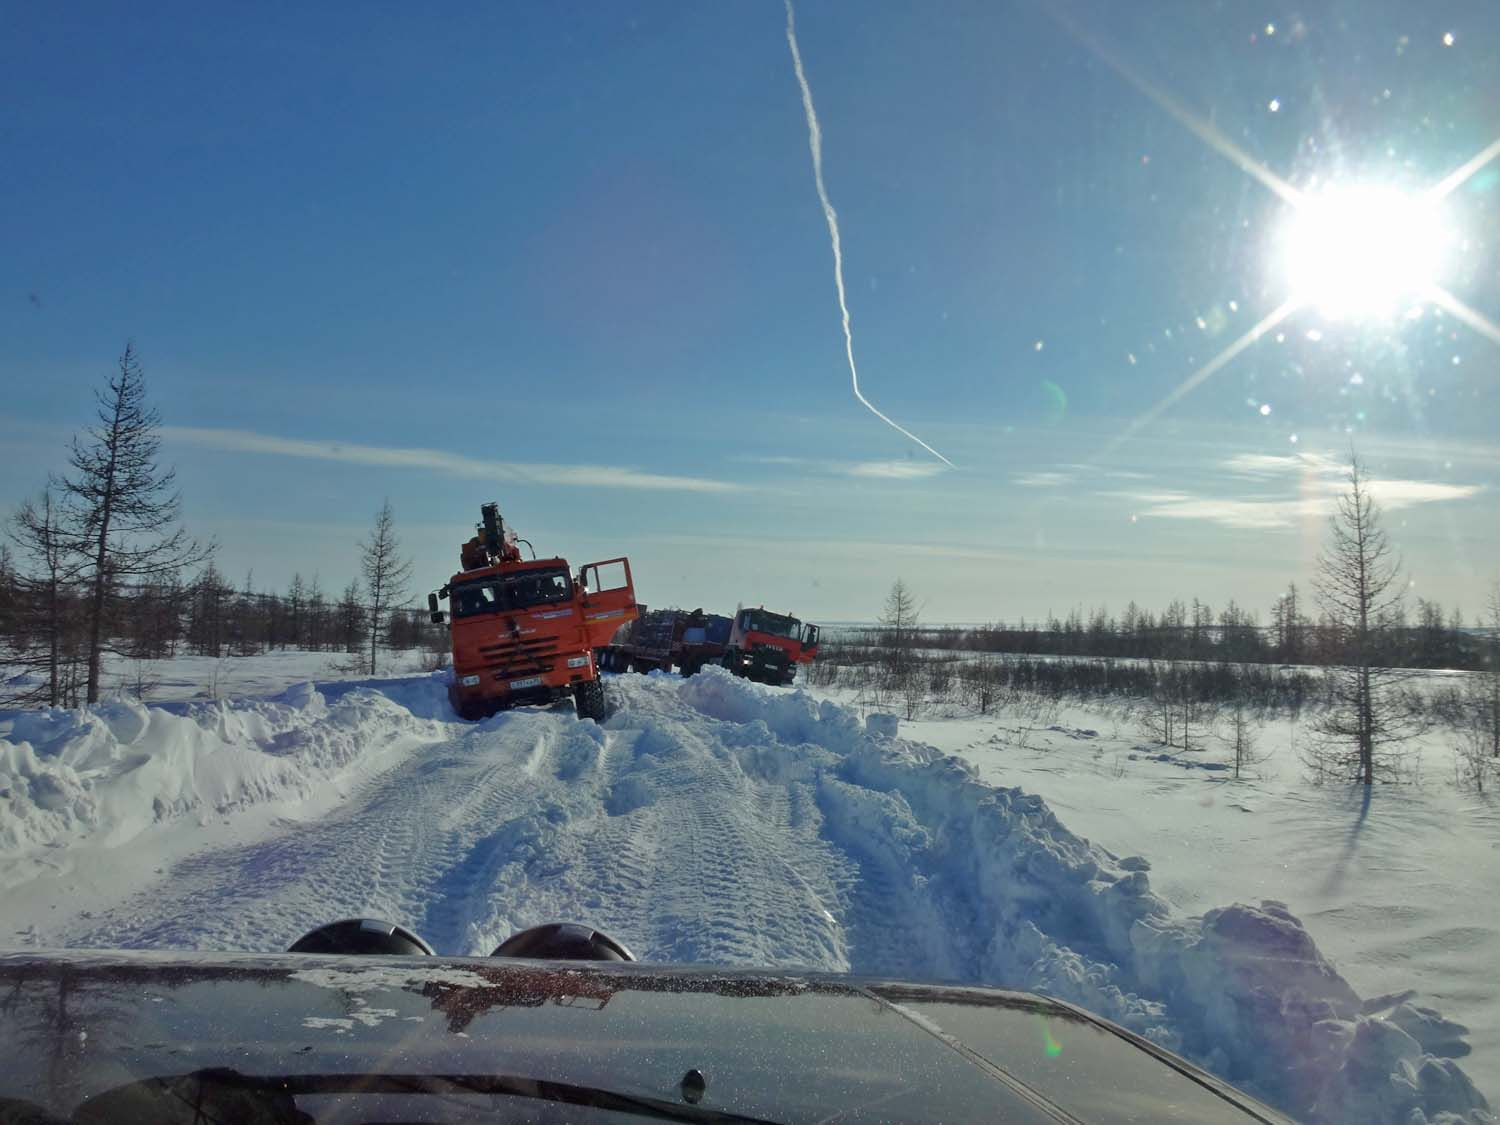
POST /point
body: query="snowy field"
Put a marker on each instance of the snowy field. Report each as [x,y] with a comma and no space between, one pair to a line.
[713,820]
[1404,895]
[217,677]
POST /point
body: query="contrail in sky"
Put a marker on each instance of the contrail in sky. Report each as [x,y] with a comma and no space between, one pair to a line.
[815,143]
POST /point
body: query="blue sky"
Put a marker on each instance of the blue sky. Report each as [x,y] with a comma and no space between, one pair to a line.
[571,258]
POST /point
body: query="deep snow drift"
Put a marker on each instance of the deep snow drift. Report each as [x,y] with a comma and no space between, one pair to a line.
[102,775]
[707,820]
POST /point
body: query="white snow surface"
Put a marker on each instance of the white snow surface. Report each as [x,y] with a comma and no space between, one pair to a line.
[1399,893]
[708,820]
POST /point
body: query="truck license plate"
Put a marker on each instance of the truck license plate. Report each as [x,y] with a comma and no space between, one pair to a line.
[529,681]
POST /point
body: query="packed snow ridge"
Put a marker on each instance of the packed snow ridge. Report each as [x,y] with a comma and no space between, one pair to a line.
[709,820]
[106,773]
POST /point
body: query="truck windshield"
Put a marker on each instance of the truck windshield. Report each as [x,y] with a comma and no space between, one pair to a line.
[511,591]
[537,587]
[773,623]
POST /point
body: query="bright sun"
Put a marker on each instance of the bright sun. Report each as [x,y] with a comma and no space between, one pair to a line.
[1354,252]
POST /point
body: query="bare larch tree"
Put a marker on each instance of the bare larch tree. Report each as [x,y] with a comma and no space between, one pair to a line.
[1358,587]
[1487,685]
[386,573]
[898,635]
[121,507]
[46,609]
[1479,736]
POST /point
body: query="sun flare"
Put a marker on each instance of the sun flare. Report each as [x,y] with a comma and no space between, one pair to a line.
[1363,251]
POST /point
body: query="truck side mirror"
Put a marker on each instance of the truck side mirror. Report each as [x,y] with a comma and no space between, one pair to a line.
[437,615]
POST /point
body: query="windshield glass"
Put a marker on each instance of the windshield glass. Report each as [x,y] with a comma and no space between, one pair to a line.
[1117,384]
[512,591]
[762,622]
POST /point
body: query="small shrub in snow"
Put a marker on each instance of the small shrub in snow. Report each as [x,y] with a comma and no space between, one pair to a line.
[1241,736]
[913,695]
[1473,767]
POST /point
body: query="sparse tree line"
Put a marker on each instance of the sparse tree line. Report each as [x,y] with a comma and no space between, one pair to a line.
[98,565]
[1431,637]
[981,679]
[1188,674]
[200,615]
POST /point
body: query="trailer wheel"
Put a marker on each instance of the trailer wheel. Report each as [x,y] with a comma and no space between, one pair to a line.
[690,667]
[590,701]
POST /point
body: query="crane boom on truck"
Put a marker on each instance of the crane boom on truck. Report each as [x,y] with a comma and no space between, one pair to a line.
[525,631]
[754,643]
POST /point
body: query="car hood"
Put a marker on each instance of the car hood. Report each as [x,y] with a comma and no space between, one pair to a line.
[114,1036]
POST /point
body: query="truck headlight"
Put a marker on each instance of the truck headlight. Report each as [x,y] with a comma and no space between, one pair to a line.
[578,661]
[470,681]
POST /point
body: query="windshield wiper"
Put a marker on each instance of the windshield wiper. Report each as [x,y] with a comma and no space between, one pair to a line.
[188,1097]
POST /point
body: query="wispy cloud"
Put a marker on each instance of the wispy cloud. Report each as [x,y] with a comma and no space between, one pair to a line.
[1042,479]
[1393,495]
[750,459]
[1070,472]
[1271,464]
[1255,514]
[882,470]
[841,548]
[894,470]
[1263,512]
[439,461]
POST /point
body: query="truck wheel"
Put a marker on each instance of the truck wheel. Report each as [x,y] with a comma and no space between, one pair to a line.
[463,709]
[589,698]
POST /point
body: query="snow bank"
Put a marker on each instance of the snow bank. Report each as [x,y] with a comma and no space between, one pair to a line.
[1013,899]
[105,773]
[714,820]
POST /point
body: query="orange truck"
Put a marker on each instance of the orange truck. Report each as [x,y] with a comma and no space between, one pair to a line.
[525,631]
[754,643]
[768,646]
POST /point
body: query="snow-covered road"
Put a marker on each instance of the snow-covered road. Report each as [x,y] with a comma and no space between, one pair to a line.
[528,817]
[708,820]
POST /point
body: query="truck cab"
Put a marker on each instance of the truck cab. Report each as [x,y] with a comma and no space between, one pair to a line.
[768,646]
[526,631]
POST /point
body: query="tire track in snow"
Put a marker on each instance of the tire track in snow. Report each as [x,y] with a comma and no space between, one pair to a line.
[647,829]
[676,852]
[387,853]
